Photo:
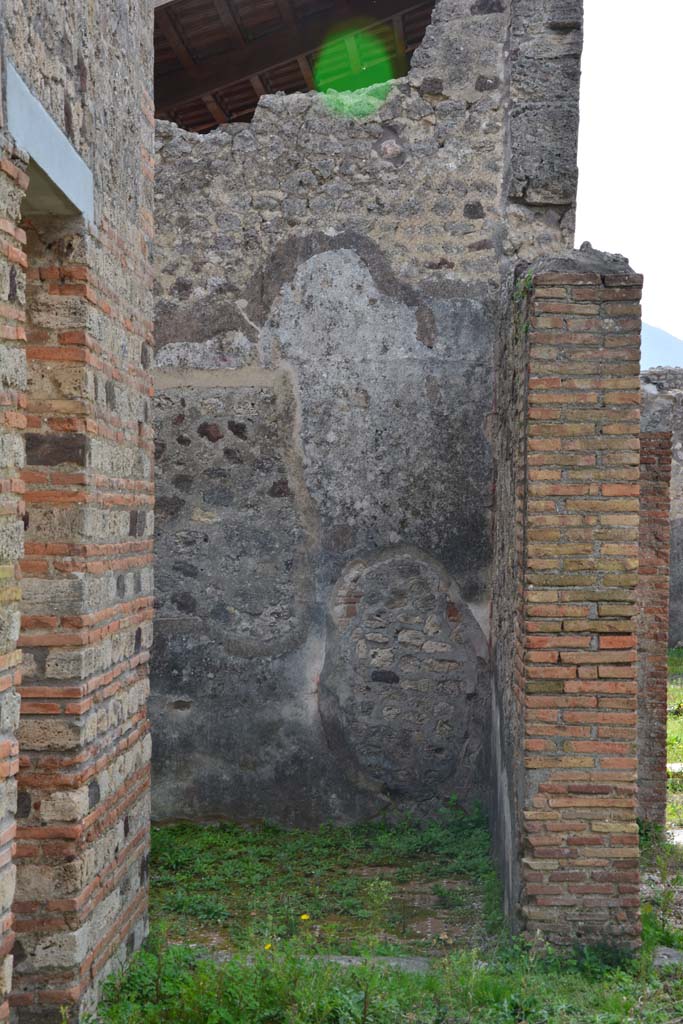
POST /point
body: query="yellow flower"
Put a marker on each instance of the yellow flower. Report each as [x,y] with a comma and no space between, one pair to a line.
[268,945]
[305,917]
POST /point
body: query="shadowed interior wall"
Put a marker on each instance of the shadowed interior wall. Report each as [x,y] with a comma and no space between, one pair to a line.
[328,300]
[657,409]
[668,382]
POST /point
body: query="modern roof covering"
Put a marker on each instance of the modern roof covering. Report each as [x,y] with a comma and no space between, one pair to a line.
[215,58]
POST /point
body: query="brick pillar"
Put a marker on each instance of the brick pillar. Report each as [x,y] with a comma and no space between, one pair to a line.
[653,618]
[13,182]
[573,804]
[83,830]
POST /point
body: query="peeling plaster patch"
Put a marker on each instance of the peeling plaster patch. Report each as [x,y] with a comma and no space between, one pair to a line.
[232,352]
[384,421]
[283,267]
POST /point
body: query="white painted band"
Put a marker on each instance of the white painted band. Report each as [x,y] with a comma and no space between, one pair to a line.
[35,131]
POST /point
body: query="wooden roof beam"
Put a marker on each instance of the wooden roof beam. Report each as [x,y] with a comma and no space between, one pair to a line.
[352,53]
[229,22]
[173,39]
[176,89]
[399,35]
[286,11]
[306,71]
[214,108]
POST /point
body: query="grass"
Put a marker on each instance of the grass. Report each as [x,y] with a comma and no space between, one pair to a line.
[675,662]
[674,744]
[243,921]
[277,902]
[674,739]
[246,887]
[661,889]
[176,986]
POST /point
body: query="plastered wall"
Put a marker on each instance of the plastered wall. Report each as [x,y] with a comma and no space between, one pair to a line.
[328,299]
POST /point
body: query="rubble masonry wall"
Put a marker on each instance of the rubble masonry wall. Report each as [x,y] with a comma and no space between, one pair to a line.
[328,300]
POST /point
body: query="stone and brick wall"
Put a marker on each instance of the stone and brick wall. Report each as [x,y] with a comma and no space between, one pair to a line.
[545,40]
[326,313]
[653,618]
[571,666]
[507,605]
[86,439]
[86,609]
[329,299]
[667,383]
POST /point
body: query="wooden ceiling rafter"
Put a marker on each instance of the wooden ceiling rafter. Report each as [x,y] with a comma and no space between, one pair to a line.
[257,85]
[173,38]
[214,108]
[355,62]
[220,72]
[306,71]
[286,11]
[229,22]
[399,35]
[218,57]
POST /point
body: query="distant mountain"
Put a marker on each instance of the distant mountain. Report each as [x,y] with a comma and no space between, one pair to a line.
[659,349]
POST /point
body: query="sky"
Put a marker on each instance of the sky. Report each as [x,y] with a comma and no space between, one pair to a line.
[631,145]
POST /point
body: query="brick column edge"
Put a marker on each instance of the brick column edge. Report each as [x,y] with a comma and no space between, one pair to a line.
[653,601]
[567,502]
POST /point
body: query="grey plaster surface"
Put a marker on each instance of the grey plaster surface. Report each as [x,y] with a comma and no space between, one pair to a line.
[328,303]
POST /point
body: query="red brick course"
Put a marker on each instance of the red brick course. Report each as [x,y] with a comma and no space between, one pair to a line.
[82,839]
[571,697]
[84,766]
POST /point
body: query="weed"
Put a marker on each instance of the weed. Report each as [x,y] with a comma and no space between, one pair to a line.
[675,661]
[674,741]
[516,985]
[279,900]
[454,899]
[244,884]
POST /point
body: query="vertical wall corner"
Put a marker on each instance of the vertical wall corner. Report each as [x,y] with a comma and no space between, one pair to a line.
[653,605]
[76,463]
[571,683]
[13,184]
